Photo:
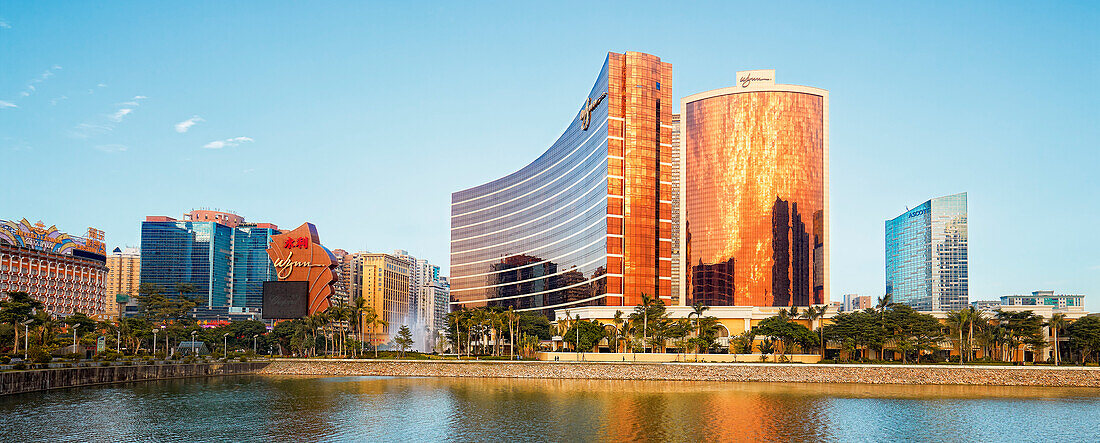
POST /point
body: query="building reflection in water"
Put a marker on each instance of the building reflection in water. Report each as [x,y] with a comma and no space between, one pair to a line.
[267,408]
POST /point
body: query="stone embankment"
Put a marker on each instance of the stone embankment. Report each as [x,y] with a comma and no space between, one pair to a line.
[15,382]
[737,372]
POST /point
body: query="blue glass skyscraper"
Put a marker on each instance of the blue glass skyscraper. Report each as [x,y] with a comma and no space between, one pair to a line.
[926,255]
[251,265]
[223,258]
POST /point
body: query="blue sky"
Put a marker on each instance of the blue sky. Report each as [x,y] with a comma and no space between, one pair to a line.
[364,117]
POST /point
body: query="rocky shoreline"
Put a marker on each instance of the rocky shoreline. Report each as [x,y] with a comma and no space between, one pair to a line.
[735,372]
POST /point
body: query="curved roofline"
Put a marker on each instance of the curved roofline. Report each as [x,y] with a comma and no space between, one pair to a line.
[758,88]
[575,121]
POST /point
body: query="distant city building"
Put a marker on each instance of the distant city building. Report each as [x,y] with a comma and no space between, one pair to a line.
[589,222]
[66,273]
[856,302]
[755,206]
[425,291]
[986,305]
[384,285]
[926,255]
[440,310]
[342,287]
[224,257]
[1043,298]
[123,278]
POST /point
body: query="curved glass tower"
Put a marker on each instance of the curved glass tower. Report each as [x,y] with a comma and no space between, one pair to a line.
[756,194]
[587,223]
[927,266]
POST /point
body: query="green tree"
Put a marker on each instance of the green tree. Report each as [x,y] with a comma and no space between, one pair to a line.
[787,333]
[403,339]
[18,308]
[767,346]
[1084,337]
[742,343]
[816,314]
[1023,327]
[911,329]
[589,334]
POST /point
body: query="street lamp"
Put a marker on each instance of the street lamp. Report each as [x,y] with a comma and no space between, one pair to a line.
[75,327]
[225,346]
[254,343]
[26,338]
[155,330]
[193,347]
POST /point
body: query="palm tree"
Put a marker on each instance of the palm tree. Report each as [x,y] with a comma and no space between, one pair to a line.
[957,321]
[980,318]
[1057,322]
[647,301]
[620,330]
[355,313]
[697,311]
[370,317]
[816,313]
[884,302]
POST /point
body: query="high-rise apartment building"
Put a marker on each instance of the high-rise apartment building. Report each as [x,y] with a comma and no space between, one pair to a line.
[926,255]
[342,287]
[383,280]
[218,253]
[755,194]
[677,265]
[856,302]
[425,290]
[590,221]
[123,278]
[66,273]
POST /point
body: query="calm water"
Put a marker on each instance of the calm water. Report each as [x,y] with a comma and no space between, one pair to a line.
[258,408]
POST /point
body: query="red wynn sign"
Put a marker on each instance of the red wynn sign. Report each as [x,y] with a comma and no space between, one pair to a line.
[299,256]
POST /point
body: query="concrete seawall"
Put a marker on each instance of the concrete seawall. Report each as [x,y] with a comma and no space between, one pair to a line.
[16,382]
[738,372]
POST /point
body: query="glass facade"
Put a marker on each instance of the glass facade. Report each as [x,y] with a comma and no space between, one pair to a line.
[251,265]
[755,193]
[582,224]
[227,266]
[926,255]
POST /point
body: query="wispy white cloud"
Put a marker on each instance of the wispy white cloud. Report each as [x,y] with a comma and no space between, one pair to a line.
[111,148]
[183,126]
[229,142]
[4,104]
[56,100]
[4,24]
[117,116]
[31,88]
[89,130]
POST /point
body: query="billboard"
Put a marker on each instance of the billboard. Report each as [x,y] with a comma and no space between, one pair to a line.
[37,236]
[298,256]
[285,299]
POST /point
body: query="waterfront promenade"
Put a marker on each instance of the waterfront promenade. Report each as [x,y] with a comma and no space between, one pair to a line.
[727,372]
